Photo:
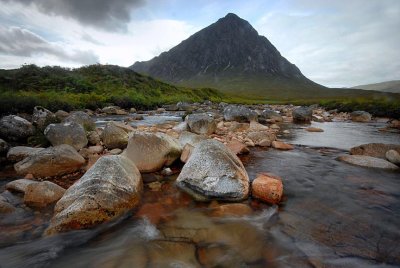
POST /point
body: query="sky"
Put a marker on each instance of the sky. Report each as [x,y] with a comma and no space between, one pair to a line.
[339,43]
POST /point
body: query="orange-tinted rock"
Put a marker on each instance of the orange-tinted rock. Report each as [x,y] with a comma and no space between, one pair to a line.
[237,147]
[314,129]
[234,209]
[282,146]
[268,188]
[154,212]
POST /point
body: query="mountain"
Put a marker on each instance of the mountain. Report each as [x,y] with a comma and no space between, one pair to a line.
[229,55]
[389,86]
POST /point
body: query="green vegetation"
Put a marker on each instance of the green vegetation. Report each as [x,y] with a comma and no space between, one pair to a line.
[91,87]
[97,86]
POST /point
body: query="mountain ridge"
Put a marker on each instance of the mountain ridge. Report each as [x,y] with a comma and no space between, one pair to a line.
[392,86]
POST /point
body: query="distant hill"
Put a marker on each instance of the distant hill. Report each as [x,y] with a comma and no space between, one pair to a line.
[389,86]
[88,87]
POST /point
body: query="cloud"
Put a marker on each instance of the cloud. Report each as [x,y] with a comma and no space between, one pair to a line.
[338,43]
[16,41]
[109,15]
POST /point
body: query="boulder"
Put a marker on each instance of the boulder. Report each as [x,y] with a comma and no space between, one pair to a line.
[238,147]
[114,110]
[19,153]
[282,146]
[42,194]
[61,115]
[360,116]
[261,138]
[214,172]
[393,156]
[186,152]
[19,185]
[41,117]
[114,136]
[191,138]
[268,188]
[3,147]
[302,115]
[201,123]
[182,126]
[239,113]
[109,189]
[70,133]
[93,137]
[255,126]
[314,129]
[152,151]
[368,161]
[374,149]
[52,161]
[15,128]
[271,115]
[81,118]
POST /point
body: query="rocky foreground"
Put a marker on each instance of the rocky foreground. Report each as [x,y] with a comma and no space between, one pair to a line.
[92,175]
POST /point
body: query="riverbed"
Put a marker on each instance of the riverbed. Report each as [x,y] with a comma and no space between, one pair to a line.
[332,215]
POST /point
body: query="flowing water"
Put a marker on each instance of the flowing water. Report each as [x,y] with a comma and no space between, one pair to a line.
[332,215]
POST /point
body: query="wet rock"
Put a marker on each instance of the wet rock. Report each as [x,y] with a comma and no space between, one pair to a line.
[42,194]
[214,172]
[229,210]
[42,117]
[61,115]
[268,188]
[3,147]
[190,138]
[360,116]
[115,151]
[239,113]
[70,133]
[114,136]
[255,126]
[238,147]
[261,138]
[19,185]
[93,138]
[19,153]
[302,115]
[393,156]
[101,195]
[186,152]
[154,212]
[113,110]
[172,254]
[201,123]
[181,127]
[15,128]
[132,110]
[314,129]
[52,161]
[374,149]
[184,106]
[81,118]
[152,151]
[271,115]
[6,207]
[282,146]
[368,161]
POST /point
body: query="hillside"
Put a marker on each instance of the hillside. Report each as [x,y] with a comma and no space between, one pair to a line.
[88,87]
[389,86]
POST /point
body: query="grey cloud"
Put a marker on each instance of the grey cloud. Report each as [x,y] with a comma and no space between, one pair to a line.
[88,38]
[106,14]
[24,43]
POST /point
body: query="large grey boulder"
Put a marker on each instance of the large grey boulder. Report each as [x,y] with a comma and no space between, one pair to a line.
[239,113]
[201,123]
[41,117]
[271,115]
[360,116]
[52,161]
[368,161]
[214,172]
[109,189]
[19,153]
[302,115]
[151,151]
[374,149]
[81,118]
[70,133]
[15,128]
[114,136]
